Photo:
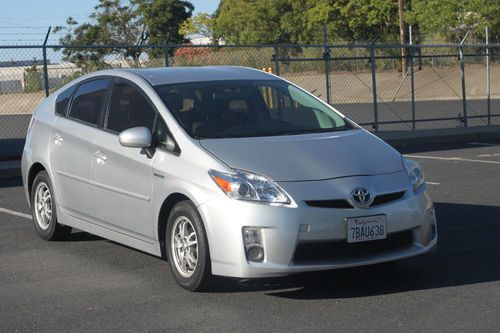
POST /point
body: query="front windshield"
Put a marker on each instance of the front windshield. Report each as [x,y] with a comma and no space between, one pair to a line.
[247,108]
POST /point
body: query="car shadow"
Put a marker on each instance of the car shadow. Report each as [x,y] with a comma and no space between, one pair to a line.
[81,236]
[468,252]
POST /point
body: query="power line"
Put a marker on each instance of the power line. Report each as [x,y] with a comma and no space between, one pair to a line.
[22,27]
[43,18]
[15,24]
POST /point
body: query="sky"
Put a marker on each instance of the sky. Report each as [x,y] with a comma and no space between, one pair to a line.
[17,15]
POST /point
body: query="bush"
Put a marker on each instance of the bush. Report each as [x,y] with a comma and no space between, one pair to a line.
[32,79]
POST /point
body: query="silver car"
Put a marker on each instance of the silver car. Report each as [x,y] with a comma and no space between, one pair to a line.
[225,171]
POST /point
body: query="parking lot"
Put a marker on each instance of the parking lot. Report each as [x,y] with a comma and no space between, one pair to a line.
[90,284]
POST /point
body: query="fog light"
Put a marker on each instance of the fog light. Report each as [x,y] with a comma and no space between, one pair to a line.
[255,253]
[253,244]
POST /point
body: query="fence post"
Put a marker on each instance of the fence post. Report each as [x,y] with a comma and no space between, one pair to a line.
[412,87]
[276,58]
[45,69]
[462,70]
[326,56]
[464,98]
[488,92]
[374,88]
[166,56]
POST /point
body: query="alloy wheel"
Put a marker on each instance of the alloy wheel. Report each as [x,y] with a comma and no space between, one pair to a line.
[184,242]
[43,205]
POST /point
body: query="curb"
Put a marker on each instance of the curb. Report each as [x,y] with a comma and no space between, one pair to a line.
[447,135]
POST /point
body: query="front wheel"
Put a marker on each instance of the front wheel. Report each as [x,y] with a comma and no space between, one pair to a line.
[187,247]
[43,209]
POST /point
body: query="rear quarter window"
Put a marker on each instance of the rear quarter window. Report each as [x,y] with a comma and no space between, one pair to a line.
[88,101]
[62,100]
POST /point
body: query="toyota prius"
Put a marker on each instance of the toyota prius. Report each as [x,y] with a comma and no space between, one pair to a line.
[223,171]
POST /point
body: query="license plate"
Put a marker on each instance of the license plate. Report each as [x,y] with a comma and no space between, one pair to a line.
[366,228]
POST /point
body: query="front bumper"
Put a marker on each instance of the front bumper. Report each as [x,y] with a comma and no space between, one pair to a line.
[284,227]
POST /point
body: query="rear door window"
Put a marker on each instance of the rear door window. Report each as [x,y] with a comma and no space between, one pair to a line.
[88,101]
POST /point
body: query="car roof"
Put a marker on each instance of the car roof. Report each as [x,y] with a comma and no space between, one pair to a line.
[172,75]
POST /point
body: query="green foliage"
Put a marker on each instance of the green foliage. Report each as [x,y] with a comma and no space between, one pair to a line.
[453,18]
[259,21]
[32,79]
[302,21]
[200,24]
[124,22]
[162,20]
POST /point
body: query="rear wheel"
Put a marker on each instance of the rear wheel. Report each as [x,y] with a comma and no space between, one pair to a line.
[187,247]
[43,209]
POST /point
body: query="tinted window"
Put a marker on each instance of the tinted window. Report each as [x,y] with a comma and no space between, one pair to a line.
[221,109]
[129,108]
[88,100]
[62,100]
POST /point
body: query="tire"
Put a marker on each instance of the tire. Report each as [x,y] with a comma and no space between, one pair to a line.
[190,264]
[43,210]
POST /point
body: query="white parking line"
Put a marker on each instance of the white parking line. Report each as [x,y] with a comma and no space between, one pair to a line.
[432,183]
[13,212]
[482,144]
[459,159]
[488,155]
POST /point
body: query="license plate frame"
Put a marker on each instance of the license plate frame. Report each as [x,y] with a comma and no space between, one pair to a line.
[366,228]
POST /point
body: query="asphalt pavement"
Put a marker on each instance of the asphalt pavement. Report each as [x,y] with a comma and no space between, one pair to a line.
[90,284]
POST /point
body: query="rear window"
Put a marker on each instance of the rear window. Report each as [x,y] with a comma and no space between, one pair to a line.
[62,100]
[88,101]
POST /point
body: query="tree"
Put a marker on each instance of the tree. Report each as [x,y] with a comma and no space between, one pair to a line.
[453,18]
[261,21]
[163,18]
[115,23]
[244,21]
[302,21]
[200,24]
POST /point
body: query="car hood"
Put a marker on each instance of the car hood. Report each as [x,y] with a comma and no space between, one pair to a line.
[308,156]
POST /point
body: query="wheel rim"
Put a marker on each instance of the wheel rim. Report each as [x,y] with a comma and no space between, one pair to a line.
[184,246]
[43,205]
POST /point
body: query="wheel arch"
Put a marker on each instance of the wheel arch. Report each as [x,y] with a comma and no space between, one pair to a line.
[165,210]
[33,171]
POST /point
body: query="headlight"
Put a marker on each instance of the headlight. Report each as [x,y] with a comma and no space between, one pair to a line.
[415,173]
[244,185]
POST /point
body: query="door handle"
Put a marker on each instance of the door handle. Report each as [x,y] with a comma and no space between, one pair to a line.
[58,139]
[100,155]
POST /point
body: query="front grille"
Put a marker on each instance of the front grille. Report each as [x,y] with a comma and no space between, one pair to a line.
[317,252]
[386,198]
[344,204]
[329,203]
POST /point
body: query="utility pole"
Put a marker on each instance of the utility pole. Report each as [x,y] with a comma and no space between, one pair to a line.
[402,36]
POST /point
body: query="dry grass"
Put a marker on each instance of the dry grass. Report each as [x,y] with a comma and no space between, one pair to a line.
[20,103]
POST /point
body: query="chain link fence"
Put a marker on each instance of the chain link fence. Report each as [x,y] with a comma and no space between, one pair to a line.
[431,87]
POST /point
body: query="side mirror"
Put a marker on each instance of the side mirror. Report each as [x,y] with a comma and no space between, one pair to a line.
[135,137]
